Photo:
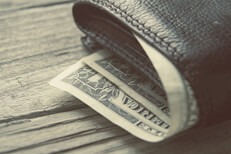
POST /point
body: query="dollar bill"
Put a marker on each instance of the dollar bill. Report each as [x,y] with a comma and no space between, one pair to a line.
[110,101]
[130,81]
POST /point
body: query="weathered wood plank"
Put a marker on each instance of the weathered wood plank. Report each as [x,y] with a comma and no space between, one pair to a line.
[36,45]
[74,141]
[64,132]
[53,129]
[7,6]
[37,123]
[35,32]
[212,140]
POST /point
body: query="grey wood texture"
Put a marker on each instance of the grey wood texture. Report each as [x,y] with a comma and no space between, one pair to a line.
[38,40]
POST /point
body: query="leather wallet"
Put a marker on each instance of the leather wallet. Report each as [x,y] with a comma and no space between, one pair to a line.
[195,36]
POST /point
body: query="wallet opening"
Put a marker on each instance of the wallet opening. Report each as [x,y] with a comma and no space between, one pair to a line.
[112,34]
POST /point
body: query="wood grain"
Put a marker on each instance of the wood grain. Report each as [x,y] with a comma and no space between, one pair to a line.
[36,45]
[38,40]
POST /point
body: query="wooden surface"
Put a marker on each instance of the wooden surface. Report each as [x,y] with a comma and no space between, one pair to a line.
[38,40]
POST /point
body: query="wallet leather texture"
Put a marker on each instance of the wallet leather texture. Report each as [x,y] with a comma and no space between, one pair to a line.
[194,35]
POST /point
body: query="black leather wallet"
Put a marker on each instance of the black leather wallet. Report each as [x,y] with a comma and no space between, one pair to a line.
[195,36]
